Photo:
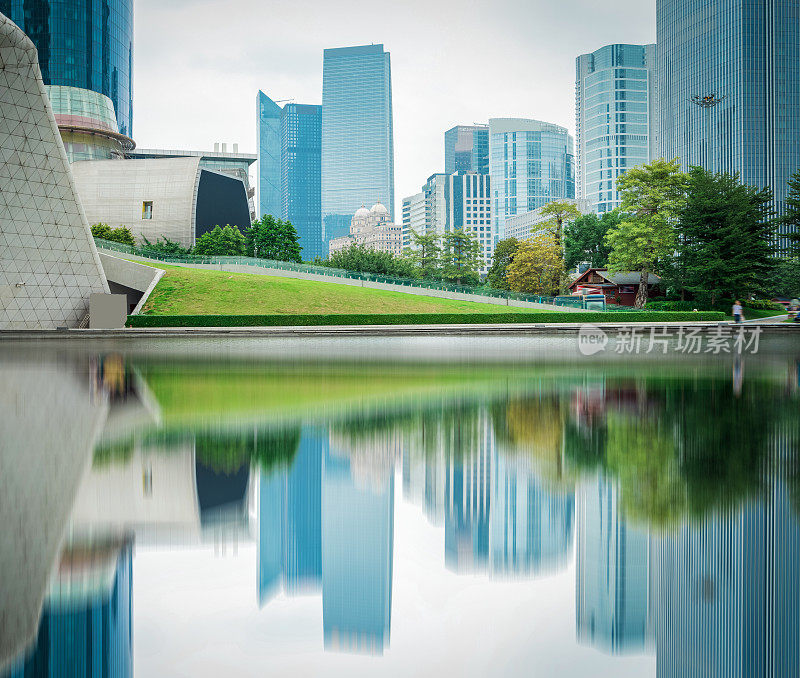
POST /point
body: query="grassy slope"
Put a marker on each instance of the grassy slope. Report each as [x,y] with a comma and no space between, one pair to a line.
[187,291]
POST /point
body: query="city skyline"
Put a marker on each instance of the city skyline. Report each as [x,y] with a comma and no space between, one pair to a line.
[226,77]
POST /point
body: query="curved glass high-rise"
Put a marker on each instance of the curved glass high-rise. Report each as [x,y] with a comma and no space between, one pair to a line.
[614,120]
[82,43]
[745,54]
[531,163]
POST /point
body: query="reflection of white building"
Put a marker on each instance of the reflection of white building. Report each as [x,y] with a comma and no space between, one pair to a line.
[613,596]
[498,515]
[531,527]
[374,229]
[164,495]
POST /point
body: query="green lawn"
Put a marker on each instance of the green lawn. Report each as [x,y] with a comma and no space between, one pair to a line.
[191,291]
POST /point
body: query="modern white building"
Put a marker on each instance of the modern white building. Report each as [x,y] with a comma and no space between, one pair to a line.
[530,224]
[453,201]
[615,120]
[531,163]
[49,266]
[413,218]
[372,228]
[175,198]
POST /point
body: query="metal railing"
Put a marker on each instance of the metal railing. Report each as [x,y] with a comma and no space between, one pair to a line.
[593,302]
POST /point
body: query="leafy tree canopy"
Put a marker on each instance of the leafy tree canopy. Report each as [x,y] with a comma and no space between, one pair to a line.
[461,257]
[275,239]
[226,241]
[584,239]
[503,254]
[537,266]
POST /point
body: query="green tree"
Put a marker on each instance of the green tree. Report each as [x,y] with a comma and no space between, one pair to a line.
[584,239]
[461,257]
[121,234]
[425,254]
[652,198]
[792,217]
[726,236]
[226,241]
[561,212]
[165,246]
[537,266]
[363,259]
[503,254]
[271,238]
[784,279]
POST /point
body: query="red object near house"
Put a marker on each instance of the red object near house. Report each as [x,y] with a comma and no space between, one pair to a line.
[618,288]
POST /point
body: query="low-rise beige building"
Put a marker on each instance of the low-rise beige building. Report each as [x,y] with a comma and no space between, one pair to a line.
[372,228]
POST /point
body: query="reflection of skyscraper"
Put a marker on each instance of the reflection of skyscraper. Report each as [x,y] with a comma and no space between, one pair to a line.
[531,525]
[728,594]
[357,549]
[612,596]
[290,522]
[86,628]
[468,454]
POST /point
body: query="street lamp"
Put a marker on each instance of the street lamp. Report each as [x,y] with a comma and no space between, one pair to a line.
[708,102]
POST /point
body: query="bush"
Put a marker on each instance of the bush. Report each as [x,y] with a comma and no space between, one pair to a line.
[413,319]
[164,246]
[362,259]
[121,234]
[724,305]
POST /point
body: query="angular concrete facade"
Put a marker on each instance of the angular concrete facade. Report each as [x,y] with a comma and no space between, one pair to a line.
[48,262]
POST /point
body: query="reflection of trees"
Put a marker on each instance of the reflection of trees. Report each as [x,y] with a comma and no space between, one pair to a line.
[689,448]
[533,426]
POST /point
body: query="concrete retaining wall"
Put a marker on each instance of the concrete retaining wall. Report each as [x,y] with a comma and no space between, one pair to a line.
[132,275]
[406,289]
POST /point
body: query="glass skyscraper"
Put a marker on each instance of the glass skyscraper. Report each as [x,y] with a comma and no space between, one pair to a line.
[615,91]
[744,53]
[83,44]
[531,164]
[357,137]
[466,149]
[289,166]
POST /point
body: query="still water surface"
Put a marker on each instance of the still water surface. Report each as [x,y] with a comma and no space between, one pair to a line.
[212,515]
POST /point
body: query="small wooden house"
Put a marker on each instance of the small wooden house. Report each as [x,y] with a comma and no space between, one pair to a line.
[618,288]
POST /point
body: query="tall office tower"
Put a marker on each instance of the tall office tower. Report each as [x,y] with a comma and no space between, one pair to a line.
[614,606]
[466,149]
[615,121]
[289,165]
[531,164]
[357,137]
[738,60]
[269,115]
[413,217]
[86,45]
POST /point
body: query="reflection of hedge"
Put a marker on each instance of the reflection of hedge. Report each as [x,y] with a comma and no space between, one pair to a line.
[222,451]
[418,318]
[226,453]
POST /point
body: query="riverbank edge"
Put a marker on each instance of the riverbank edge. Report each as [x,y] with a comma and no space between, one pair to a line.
[377,330]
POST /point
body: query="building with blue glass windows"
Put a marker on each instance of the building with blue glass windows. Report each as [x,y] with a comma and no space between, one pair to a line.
[531,163]
[745,54]
[615,123]
[83,44]
[357,135]
[289,167]
[466,149]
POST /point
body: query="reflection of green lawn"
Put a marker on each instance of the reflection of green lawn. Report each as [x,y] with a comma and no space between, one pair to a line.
[191,392]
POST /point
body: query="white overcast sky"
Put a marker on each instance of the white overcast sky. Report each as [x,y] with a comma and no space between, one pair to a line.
[199,63]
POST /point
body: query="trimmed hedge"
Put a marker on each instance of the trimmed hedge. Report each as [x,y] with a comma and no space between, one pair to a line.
[417,319]
[723,305]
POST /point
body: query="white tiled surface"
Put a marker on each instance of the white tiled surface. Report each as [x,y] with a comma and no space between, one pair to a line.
[48,263]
